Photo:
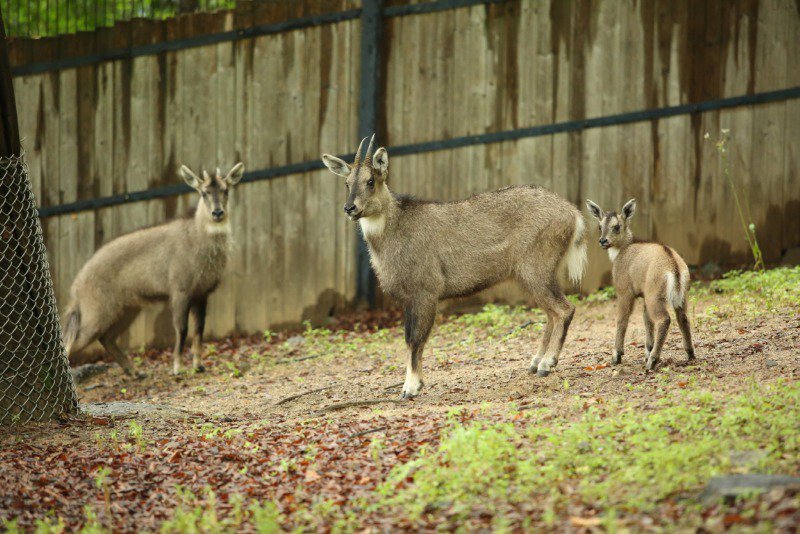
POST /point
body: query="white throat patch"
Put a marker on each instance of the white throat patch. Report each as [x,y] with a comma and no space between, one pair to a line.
[219,228]
[372,226]
[612,253]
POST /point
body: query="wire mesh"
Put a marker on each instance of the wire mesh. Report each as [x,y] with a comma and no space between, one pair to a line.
[35,382]
[48,18]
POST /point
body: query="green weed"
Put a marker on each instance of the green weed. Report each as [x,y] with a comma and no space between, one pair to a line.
[748,229]
[136,432]
[750,294]
[616,458]
[268,335]
[199,514]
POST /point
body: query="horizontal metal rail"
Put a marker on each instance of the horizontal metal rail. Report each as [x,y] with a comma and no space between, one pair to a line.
[40,67]
[446,144]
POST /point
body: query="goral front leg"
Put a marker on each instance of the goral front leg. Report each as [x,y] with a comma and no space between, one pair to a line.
[199,315]
[419,318]
[624,309]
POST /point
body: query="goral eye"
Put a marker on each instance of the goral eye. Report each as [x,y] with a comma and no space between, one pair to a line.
[370,182]
[616,228]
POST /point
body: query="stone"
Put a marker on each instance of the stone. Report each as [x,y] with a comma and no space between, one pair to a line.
[772,363]
[729,487]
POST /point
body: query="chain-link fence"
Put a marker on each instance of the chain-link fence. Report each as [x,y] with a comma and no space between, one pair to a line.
[35,383]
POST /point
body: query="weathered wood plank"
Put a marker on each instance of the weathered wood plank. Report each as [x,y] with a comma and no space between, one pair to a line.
[69,229]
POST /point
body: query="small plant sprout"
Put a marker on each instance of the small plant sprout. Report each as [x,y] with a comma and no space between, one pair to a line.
[136,432]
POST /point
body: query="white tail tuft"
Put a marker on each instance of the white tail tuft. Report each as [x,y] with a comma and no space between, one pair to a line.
[575,257]
[676,289]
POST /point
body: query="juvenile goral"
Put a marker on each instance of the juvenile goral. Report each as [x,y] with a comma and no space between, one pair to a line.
[181,262]
[644,269]
[424,251]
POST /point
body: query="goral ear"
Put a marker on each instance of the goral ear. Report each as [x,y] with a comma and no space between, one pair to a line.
[629,208]
[336,165]
[235,174]
[191,179]
[380,161]
[596,211]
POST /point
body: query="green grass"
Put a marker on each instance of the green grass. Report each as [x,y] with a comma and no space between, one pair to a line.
[614,458]
[195,514]
[752,294]
[493,322]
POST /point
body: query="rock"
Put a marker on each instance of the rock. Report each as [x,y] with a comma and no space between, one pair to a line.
[791,257]
[83,373]
[772,363]
[729,487]
[710,270]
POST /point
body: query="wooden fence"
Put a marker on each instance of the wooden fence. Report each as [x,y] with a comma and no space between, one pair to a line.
[109,128]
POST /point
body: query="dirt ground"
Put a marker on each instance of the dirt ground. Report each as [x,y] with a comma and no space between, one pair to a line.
[200,440]
[492,370]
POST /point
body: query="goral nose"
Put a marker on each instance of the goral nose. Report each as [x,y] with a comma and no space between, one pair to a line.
[603,241]
[217,214]
[349,209]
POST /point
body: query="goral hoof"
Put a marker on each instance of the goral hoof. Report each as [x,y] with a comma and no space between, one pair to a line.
[532,369]
[542,373]
[200,369]
[408,395]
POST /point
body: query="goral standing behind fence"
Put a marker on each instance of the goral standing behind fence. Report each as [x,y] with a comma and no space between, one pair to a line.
[181,261]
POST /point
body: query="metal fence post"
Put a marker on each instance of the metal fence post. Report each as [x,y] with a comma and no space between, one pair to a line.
[368,103]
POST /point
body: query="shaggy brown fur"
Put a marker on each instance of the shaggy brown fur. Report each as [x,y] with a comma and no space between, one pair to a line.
[181,262]
[652,271]
[424,251]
